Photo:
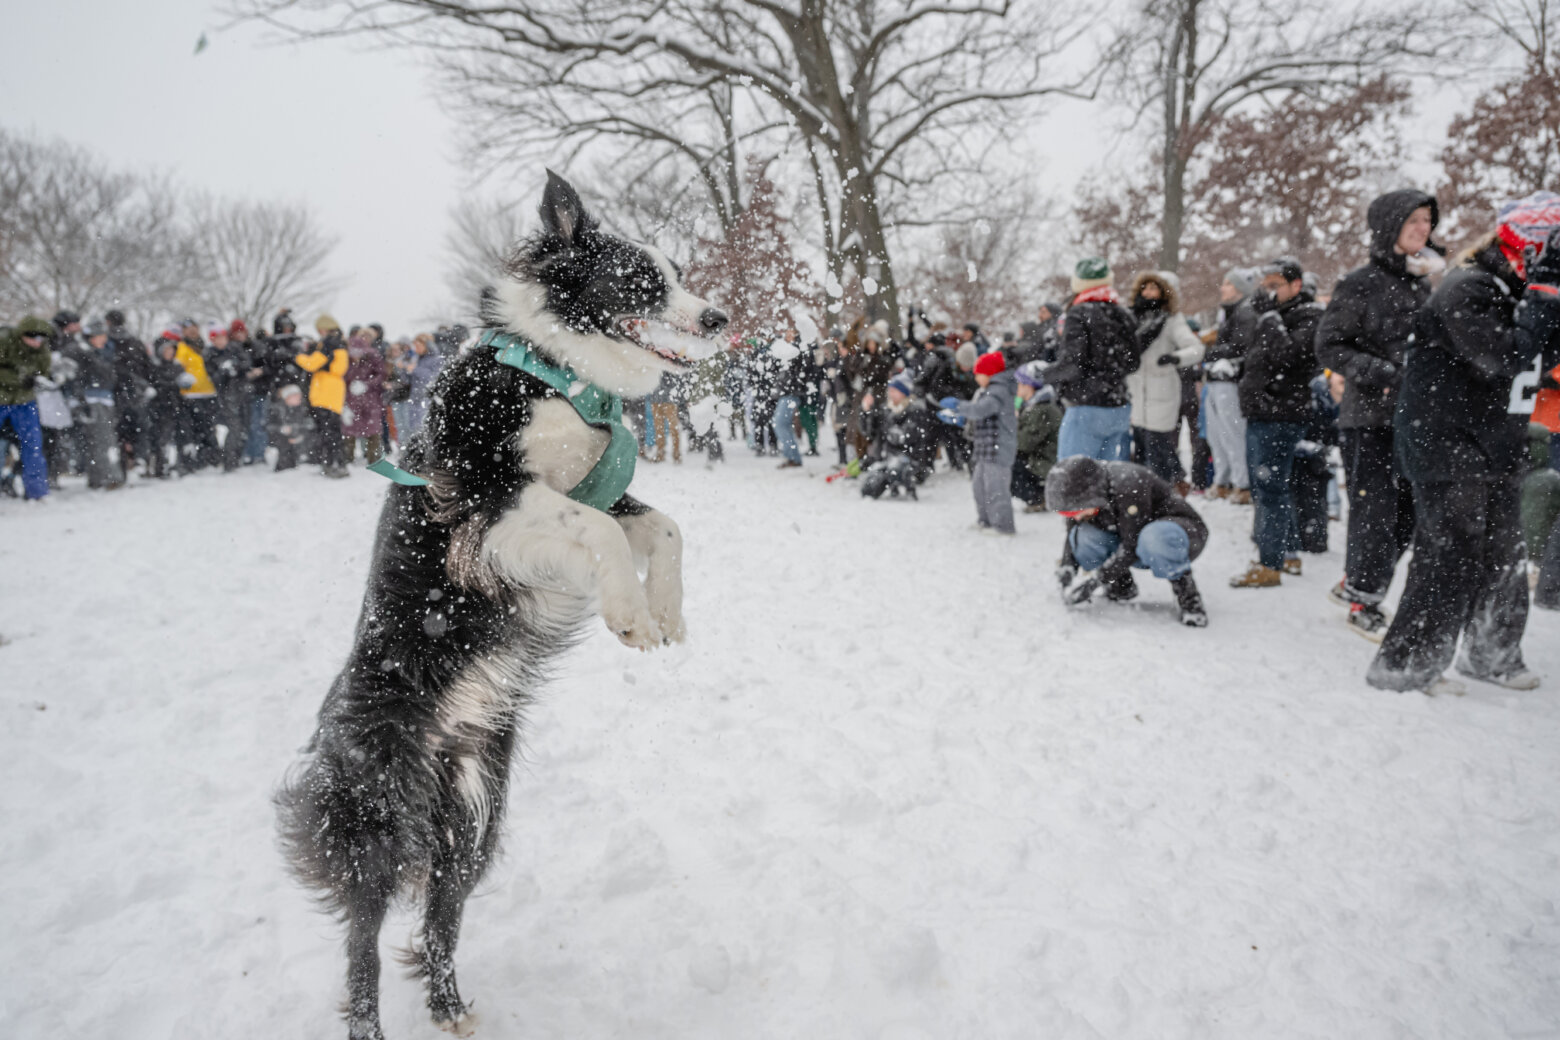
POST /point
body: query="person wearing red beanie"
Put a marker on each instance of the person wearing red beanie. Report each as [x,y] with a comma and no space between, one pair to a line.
[993,423]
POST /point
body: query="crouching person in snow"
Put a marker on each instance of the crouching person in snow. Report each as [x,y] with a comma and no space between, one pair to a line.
[1121,515]
[902,452]
[994,421]
[1464,450]
[290,422]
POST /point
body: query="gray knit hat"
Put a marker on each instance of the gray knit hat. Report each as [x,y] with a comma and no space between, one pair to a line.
[1244,279]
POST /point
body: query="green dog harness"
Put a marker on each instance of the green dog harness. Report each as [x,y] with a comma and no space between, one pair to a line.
[612,473]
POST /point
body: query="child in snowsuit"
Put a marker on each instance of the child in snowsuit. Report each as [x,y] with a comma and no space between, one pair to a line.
[290,422]
[1119,516]
[994,425]
[1039,423]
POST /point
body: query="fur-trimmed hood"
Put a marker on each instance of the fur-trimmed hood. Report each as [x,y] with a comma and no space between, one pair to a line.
[1168,284]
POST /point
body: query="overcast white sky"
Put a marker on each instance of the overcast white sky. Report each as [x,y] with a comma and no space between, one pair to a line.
[353,131]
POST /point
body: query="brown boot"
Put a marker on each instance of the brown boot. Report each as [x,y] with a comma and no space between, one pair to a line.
[1256,576]
[1183,488]
[1240,497]
[1218,491]
[1292,565]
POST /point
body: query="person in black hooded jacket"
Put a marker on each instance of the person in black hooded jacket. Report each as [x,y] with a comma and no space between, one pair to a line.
[1363,337]
[1464,448]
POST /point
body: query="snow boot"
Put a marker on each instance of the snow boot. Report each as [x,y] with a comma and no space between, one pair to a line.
[1256,576]
[1368,621]
[1119,590]
[1218,491]
[1189,601]
[1240,497]
[1292,565]
[1518,678]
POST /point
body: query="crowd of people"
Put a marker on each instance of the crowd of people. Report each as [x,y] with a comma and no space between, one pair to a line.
[1425,396]
[95,399]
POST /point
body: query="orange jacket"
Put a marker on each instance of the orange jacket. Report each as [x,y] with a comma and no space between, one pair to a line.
[1546,406]
[327,388]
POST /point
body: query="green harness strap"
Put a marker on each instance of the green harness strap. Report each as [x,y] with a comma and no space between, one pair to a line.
[613,472]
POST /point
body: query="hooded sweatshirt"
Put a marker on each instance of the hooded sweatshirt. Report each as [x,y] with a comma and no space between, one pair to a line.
[19,363]
[1367,327]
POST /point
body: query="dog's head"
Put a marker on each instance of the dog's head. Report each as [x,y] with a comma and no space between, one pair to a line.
[613,311]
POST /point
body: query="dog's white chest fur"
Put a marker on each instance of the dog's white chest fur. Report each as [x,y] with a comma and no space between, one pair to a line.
[560,448]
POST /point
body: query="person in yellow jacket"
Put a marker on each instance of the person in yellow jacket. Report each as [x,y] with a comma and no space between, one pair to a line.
[326,362]
[197,440]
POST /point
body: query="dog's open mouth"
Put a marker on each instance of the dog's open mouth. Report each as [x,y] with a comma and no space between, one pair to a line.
[679,346]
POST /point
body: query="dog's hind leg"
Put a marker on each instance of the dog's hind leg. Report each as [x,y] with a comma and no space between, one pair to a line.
[366,908]
[446,892]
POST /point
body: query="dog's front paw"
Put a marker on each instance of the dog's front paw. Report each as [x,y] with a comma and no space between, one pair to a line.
[628,618]
[673,630]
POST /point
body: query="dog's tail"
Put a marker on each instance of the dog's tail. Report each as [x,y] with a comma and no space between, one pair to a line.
[349,819]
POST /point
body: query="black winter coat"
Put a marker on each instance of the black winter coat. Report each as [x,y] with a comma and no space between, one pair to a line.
[1136,497]
[1237,333]
[1099,349]
[1370,321]
[95,375]
[132,371]
[1275,382]
[1454,419]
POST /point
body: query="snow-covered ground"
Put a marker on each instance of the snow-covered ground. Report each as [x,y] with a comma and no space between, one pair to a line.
[890,788]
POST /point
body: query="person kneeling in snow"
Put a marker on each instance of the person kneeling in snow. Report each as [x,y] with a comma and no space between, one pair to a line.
[904,447]
[1119,516]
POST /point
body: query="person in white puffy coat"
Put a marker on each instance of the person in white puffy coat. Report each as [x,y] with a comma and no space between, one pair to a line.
[1168,345]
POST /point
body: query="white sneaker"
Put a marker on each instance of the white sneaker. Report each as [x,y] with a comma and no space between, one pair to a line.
[1521,679]
[1444,687]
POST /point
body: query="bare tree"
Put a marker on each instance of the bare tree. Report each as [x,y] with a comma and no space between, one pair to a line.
[482,235]
[78,234]
[257,256]
[873,90]
[1187,64]
[1528,27]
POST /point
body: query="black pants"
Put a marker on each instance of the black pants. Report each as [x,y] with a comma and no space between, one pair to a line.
[1381,512]
[1157,451]
[1466,577]
[1548,592]
[162,424]
[199,441]
[1027,487]
[235,417]
[329,449]
[1308,487]
[1191,411]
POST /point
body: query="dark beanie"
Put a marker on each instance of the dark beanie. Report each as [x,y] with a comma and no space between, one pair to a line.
[1077,482]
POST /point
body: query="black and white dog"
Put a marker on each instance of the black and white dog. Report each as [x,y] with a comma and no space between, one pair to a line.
[478,580]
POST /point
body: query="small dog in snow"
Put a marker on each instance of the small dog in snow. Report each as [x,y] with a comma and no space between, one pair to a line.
[507,529]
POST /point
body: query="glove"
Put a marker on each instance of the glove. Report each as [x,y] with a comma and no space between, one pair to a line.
[951,417]
[948,402]
[1065,574]
[1081,594]
[45,383]
[1166,359]
[185,380]
[1307,449]
[1224,368]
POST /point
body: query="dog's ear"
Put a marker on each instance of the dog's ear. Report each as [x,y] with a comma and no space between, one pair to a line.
[563,215]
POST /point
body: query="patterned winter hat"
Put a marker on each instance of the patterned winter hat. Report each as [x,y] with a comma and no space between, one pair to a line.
[1031,374]
[1091,273]
[1524,225]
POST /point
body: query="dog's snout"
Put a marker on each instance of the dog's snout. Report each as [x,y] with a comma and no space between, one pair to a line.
[712,320]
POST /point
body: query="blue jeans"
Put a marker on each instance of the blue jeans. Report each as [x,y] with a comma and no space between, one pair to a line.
[23,420]
[1163,547]
[1270,455]
[1098,432]
[785,429]
[254,446]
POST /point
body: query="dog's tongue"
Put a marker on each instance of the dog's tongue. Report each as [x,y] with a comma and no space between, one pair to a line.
[681,344]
